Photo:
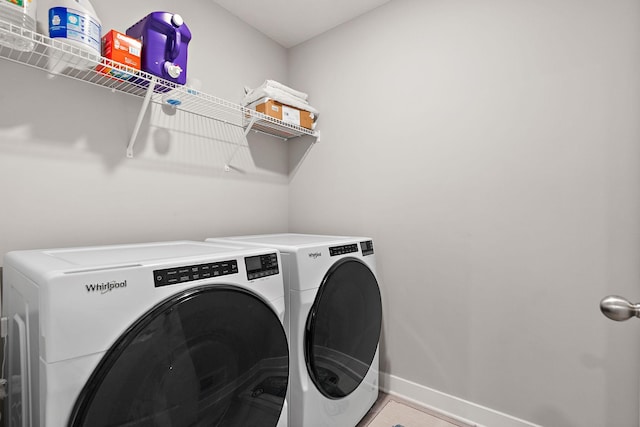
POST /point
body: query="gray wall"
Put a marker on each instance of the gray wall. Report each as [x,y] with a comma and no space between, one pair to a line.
[491,149]
[64,176]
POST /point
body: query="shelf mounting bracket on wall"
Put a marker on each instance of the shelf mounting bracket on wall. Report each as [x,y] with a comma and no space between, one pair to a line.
[143,110]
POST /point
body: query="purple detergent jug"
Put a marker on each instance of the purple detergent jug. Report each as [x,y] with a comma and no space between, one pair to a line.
[165,38]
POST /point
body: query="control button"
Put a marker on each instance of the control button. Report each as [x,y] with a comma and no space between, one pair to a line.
[342,250]
[160,278]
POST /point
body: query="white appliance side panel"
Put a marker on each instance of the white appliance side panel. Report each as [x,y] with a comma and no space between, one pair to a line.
[21,300]
[61,386]
[288,270]
[299,381]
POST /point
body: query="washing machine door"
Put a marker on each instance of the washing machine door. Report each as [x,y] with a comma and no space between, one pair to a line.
[209,356]
[343,328]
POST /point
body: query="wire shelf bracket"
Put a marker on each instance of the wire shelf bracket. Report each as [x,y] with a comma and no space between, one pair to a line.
[143,110]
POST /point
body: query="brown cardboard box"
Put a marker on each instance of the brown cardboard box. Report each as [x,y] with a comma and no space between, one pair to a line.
[285,113]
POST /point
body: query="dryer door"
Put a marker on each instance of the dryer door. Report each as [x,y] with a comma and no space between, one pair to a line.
[343,328]
[208,356]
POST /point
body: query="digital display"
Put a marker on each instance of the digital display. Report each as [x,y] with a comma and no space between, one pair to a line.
[253,263]
[261,266]
[367,247]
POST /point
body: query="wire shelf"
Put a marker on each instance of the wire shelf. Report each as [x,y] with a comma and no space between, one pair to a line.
[60,58]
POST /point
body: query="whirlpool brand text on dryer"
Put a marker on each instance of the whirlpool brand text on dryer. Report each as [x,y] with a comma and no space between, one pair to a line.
[105,287]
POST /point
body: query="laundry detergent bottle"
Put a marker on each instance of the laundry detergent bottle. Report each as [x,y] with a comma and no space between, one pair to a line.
[165,38]
[76,23]
[21,14]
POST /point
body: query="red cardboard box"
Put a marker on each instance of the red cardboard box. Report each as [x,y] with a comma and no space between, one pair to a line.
[123,49]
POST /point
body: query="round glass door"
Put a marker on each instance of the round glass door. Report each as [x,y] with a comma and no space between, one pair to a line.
[343,328]
[208,356]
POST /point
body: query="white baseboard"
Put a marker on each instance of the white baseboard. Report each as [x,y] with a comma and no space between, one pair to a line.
[450,406]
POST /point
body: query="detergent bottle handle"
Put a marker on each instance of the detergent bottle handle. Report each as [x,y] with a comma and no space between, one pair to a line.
[171,31]
[176,23]
[173,44]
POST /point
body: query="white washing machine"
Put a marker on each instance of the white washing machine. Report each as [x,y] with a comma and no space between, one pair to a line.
[333,317]
[163,334]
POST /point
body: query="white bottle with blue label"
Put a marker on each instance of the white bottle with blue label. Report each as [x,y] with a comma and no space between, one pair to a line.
[75,23]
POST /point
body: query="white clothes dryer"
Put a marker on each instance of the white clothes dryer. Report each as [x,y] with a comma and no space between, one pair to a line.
[160,334]
[333,317]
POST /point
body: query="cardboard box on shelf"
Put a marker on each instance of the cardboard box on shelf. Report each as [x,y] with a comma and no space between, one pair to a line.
[284,112]
[123,49]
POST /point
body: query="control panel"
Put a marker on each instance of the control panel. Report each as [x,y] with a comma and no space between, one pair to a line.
[188,273]
[367,247]
[342,250]
[261,266]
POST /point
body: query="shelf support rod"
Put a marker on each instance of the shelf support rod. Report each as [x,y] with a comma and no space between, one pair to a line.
[251,123]
[227,165]
[143,110]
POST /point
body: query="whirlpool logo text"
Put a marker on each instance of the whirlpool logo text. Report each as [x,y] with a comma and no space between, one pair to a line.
[315,255]
[105,287]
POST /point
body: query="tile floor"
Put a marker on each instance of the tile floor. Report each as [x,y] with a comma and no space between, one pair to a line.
[439,421]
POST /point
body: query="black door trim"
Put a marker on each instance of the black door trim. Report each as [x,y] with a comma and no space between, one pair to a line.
[310,328]
[86,397]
